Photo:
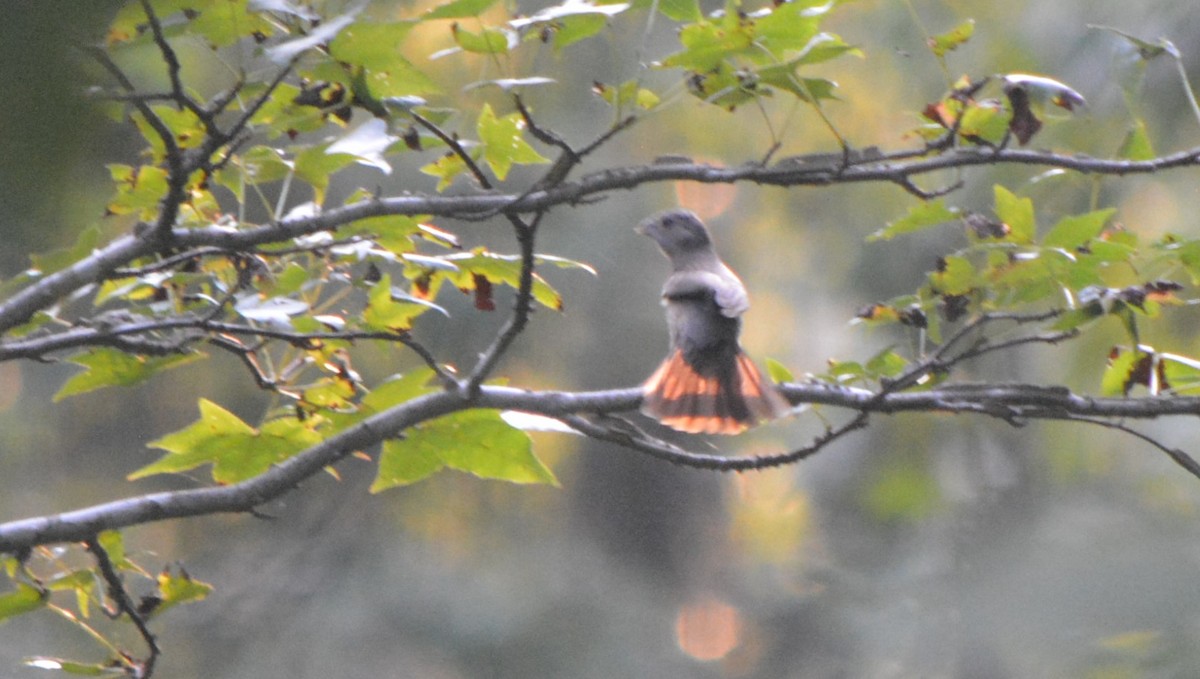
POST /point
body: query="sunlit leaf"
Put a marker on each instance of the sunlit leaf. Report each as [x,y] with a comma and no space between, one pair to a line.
[285,52]
[1183,372]
[535,422]
[1137,144]
[77,668]
[488,41]
[886,363]
[952,39]
[571,30]
[500,269]
[509,84]
[315,166]
[1127,369]
[373,45]
[1017,213]
[131,18]
[179,588]
[106,367]
[1073,231]
[955,276]
[985,121]
[919,217]
[779,372]
[625,94]
[383,312]
[225,23]
[478,442]
[503,143]
[139,190]
[445,169]
[235,450]
[366,143]
[706,45]
[26,598]
[276,311]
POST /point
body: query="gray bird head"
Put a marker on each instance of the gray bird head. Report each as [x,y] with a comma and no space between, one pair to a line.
[677,232]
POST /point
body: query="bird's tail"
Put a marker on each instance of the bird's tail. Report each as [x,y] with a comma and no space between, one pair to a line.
[727,402]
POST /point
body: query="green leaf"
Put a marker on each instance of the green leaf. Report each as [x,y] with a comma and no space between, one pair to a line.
[1137,145]
[955,276]
[503,143]
[383,312]
[1117,378]
[501,269]
[459,9]
[108,669]
[706,45]
[394,233]
[572,29]
[886,363]
[445,169]
[778,372]
[313,166]
[112,367]
[113,542]
[625,94]
[950,40]
[235,450]
[139,190]
[224,23]
[131,18]
[1073,231]
[1189,256]
[510,84]
[179,588]
[406,461]
[398,389]
[987,121]
[1182,373]
[489,41]
[478,442]
[1017,213]
[823,47]
[919,217]
[394,391]
[788,27]
[26,598]
[373,45]
[564,263]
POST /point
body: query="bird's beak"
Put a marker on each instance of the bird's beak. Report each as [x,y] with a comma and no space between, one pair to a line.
[643,228]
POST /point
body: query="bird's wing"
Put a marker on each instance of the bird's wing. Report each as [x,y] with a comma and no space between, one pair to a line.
[726,291]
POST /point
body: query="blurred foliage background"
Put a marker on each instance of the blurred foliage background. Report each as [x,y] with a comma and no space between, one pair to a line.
[925,546]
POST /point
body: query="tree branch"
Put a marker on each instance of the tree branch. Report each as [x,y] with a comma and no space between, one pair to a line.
[1011,402]
[789,172]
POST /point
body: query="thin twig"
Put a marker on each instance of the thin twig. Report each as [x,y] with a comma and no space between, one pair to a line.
[526,233]
[1177,456]
[171,59]
[117,592]
[633,439]
[455,147]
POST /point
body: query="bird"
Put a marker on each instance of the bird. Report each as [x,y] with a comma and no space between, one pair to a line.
[706,384]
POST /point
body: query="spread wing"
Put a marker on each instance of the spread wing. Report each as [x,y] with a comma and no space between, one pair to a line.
[724,288]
